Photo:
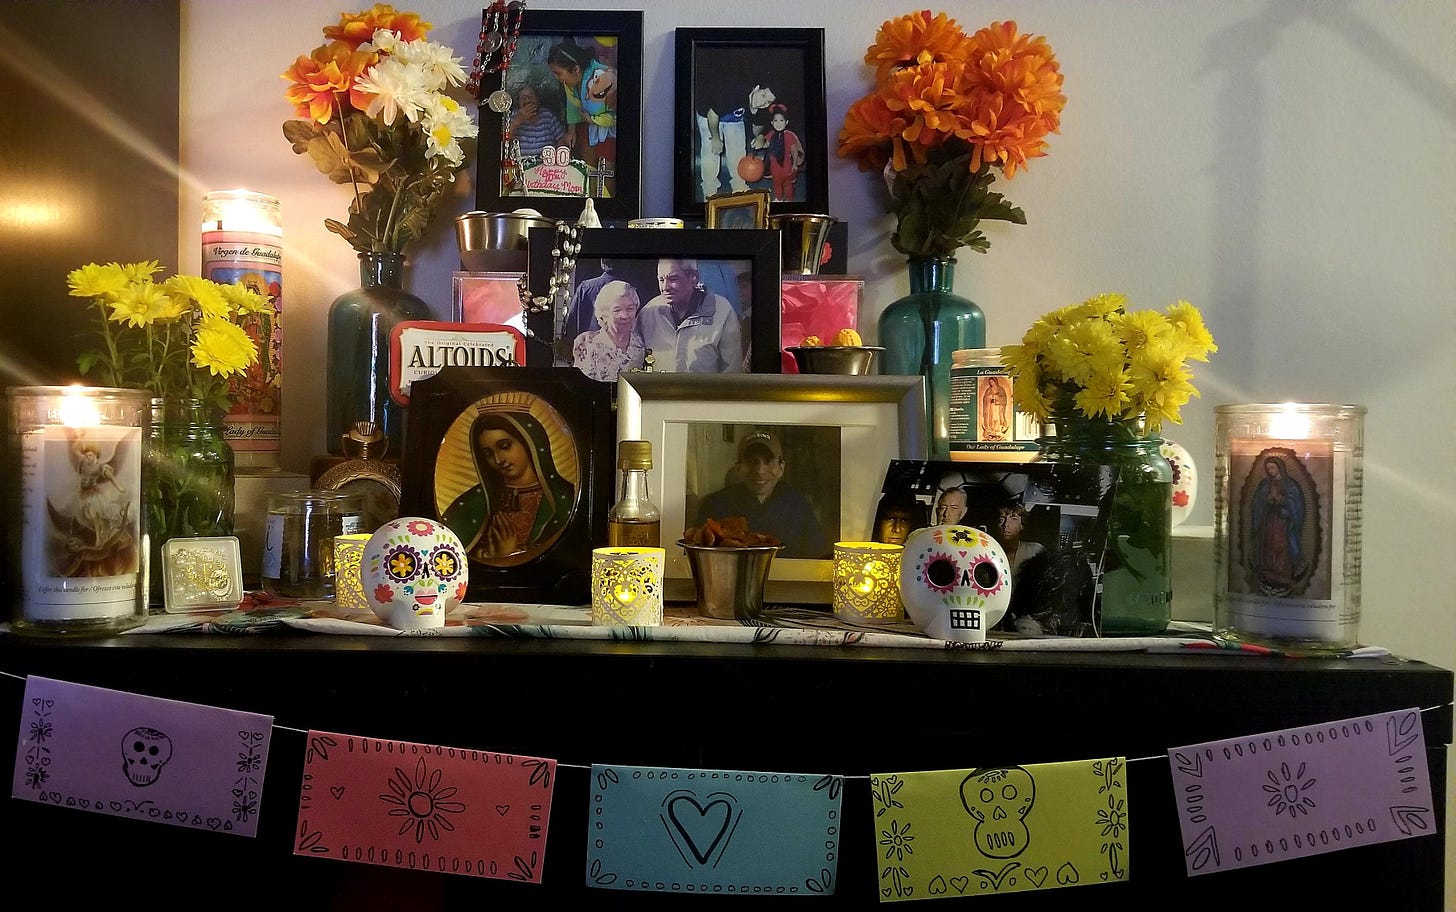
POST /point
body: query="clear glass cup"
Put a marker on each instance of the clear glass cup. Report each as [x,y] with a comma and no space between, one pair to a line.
[298,542]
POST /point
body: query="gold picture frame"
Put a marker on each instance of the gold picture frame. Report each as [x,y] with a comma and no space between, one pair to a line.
[744,209]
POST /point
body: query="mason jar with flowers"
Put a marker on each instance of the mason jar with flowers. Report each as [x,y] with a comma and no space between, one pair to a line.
[376,114]
[1104,379]
[948,114]
[184,340]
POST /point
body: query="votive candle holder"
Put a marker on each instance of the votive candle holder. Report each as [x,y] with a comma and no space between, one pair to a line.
[627,586]
[866,587]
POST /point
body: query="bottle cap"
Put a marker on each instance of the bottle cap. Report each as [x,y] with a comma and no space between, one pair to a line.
[634,454]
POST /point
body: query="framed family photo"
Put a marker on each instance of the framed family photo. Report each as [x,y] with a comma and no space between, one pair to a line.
[683,301]
[573,128]
[1051,519]
[802,457]
[749,114]
[517,462]
[747,209]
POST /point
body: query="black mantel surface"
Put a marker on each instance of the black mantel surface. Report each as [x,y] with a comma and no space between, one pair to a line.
[853,711]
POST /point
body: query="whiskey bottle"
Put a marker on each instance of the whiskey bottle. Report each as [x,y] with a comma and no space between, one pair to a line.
[633,520]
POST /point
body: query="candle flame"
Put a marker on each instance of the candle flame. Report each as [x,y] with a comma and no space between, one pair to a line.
[1289,424]
[77,409]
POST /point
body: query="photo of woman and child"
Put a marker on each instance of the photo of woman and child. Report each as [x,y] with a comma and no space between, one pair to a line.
[563,92]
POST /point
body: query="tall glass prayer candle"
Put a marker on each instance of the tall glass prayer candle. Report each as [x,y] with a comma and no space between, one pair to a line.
[75,522]
[1288,481]
[242,241]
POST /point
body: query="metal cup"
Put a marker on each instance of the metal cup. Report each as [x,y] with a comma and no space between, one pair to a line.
[730,581]
[802,236]
[496,241]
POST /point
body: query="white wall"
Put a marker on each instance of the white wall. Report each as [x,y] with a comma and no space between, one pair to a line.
[1287,166]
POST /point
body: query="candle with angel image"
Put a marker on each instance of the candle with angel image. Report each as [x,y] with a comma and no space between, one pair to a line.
[77,543]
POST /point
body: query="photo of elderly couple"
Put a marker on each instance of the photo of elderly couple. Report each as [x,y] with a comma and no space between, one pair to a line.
[677,314]
[1051,520]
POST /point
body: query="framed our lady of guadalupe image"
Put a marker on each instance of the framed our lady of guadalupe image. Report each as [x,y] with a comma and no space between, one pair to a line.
[573,128]
[517,462]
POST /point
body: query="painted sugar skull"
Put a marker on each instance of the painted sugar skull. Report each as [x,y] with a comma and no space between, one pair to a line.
[1185,479]
[999,800]
[955,582]
[414,569]
[144,751]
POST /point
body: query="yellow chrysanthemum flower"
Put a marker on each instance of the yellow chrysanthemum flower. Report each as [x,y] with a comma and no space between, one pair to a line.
[1161,383]
[141,304]
[1139,329]
[1082,348]
[222,348]
[195,291]
[93,281]
[1105,393]
[243,299]
[141,272]
[1198,341]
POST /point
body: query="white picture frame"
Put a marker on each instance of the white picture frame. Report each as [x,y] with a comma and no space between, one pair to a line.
[880,418]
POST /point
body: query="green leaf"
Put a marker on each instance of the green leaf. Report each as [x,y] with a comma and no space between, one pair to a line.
[299,133]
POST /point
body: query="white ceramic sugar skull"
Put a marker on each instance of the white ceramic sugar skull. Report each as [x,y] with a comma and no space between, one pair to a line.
[955,582]
[1185,479]
[999,800]
[144,751]
[414,570]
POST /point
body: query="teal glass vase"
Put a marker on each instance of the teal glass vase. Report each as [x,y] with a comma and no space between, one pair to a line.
[1137,588]
[360,323]
[187,478]
[921,331]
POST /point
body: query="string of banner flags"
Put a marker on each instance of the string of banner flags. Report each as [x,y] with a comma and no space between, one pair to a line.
[1252,800]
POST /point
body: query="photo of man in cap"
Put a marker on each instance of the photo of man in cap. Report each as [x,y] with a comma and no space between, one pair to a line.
[770,506]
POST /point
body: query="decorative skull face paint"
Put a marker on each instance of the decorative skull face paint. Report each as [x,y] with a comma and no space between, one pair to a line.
[955,582]
[414,571]
[999,800]
[144,751]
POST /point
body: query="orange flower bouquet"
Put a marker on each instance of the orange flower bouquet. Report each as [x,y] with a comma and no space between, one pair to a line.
[375,112]
[949,111]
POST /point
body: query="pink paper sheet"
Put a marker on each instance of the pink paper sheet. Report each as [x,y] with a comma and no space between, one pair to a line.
[425,807]
[1302,791]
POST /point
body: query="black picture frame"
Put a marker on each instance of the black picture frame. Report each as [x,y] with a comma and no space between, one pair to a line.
[634,252]
[540,29]
[563,414]
[705,63]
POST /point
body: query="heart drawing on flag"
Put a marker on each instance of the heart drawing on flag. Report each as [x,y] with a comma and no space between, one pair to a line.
[700,831]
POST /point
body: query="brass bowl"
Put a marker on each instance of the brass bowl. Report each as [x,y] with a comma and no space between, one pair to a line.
[835,359]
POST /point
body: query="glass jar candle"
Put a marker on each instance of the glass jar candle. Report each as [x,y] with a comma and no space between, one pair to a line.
[77,545]
[1288,481]
[298,543]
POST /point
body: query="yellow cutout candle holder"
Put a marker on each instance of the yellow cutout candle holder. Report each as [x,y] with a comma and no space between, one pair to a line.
[349,571]
[627,586]
[867,582]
